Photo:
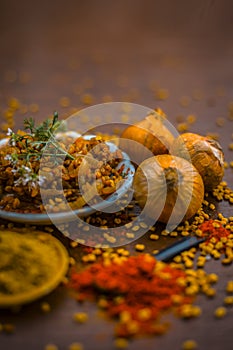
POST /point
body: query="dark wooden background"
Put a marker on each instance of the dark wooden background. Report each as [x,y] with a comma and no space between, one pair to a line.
[67,55]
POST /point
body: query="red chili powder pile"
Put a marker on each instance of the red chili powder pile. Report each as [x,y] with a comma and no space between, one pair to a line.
[214,229]
[137,292]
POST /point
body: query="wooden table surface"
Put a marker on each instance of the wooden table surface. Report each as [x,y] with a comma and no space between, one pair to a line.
[68,55]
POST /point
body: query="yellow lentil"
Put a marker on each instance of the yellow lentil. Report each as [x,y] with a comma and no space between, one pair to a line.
[132,327]
[184,101]
[125,316]
[140,247]
[229,287]
[45,307]
[102,303]
[220,312]
[80,317]
[144,314]
[161,94]
[220,121]
[182,127]
[228,300]
[76,346]
[189,345]
[51,347]
[8,328]
[87,99]
[73,244]
[154,237]
[121,343]
[72,261]
[64,101]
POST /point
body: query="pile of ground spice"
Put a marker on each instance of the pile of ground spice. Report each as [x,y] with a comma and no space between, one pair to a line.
[136,291]
[214,230]
[219,240]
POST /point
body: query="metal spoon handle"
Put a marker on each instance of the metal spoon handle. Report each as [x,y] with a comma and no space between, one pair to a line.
[177,247]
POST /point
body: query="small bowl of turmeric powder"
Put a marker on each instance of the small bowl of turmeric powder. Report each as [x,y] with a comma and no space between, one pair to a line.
[31,266]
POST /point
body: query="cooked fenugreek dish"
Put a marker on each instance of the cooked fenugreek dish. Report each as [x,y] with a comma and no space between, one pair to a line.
[35,160]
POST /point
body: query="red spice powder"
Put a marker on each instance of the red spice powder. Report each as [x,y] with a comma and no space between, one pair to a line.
[214,229]
[140,288]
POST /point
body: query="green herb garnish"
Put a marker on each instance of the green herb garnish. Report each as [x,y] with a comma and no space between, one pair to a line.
[37,142]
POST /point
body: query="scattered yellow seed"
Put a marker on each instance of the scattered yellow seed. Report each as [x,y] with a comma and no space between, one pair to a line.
[102,303]
[212,206]
[73,244]
[212,278]
[177,259]
[192,290]
[226,261]
[228,300]
[139,247]
[125,316]
[51,347]
[182,127]
[191,118]
[161,94]
[144,314]
[189,345]
[121,343]
[188,263]
[87,99]
[80,317]
[8,328]
[188,311]
[64,101]
[184,233]
[177,299]
[220,121]
[154,237]
[76,346]
[220,312]
[184,101]
[132,327]
[45,307]
[173,234]
[229,287]
[210,292]
[143,224]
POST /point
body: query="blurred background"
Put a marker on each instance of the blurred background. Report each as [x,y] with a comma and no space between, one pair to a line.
[65,55]
[69,55]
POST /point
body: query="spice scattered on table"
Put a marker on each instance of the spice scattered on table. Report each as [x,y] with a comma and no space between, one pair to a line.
[137,291]
[189,345]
